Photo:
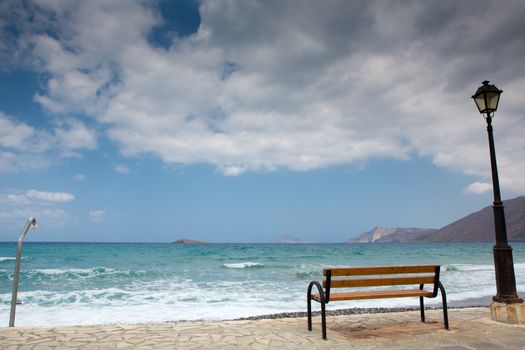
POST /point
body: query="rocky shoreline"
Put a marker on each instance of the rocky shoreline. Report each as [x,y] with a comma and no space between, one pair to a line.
[353,311]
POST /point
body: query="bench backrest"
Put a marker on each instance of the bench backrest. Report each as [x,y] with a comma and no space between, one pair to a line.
[375,276]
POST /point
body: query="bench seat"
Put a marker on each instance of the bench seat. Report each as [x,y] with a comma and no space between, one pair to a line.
[376,294]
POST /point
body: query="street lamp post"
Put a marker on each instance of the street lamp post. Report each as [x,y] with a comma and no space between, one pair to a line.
[487,98]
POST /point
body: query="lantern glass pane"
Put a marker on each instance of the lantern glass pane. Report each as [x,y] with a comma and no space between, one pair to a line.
[480,102]
[492,100]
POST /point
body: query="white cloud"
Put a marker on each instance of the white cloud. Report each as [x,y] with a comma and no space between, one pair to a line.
[478,187]
[14,135]
[16,214]
[23,147]
[42,196]
[295,87]
[17,198]
[233,170]
[79,177]
[75,136]
[55,215]
[121,169]
[50,196]
[97,215]
[18,206]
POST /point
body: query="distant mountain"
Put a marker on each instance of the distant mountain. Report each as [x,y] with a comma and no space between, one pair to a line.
[476,227]
[479,226]
[289,239]
[391,234]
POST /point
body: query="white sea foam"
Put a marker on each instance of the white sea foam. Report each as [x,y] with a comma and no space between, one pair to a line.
[114,305]
[62,271]
[182,299]
[242,265]
[224,300]
[519,266]
[6,258]
[90,272]
[468,267]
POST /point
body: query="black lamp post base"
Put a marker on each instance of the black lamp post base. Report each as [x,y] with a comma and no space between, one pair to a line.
[507,299]
[505,279]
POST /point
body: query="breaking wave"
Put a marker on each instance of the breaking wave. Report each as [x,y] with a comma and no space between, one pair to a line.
[242,265]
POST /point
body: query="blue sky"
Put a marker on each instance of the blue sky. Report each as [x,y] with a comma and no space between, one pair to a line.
[241,121]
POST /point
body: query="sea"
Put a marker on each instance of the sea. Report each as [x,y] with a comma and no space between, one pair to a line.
[109,283]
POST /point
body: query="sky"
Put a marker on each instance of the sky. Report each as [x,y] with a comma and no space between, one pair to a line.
[242,121]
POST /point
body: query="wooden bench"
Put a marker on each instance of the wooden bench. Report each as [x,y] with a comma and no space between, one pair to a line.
[376,276]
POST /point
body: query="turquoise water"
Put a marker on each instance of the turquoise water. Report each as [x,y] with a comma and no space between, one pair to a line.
[93,283]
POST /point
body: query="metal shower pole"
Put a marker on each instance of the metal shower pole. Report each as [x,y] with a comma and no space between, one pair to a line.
[29,223]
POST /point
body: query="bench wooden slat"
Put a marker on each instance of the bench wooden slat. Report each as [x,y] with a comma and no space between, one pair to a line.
[375,282]
[376,294]
[380,270]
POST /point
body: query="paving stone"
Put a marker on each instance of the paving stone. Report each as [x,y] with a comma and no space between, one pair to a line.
[112,338]
[471,329]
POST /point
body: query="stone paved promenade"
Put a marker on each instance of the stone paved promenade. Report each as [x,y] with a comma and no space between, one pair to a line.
[470,329]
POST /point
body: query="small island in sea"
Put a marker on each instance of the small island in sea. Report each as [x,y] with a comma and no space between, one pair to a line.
[188,241]
[290,240]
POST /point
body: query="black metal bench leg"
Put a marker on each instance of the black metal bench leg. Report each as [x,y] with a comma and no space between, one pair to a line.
[323,319]
[422,308]
[422,305]
[445,308]
[309,307]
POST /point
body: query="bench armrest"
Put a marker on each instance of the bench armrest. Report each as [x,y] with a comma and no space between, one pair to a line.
[436,281]
[319,288]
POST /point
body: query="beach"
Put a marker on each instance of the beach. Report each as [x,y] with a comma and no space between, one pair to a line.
[242,296]
[470,328]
